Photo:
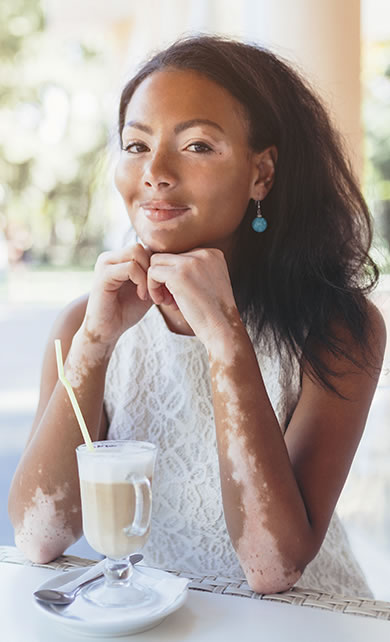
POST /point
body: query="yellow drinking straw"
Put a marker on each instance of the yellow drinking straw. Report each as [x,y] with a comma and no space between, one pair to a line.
[72,397]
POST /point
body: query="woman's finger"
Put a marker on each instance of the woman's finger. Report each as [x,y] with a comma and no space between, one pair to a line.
[157,283]
[125,254]
[169,299]
[117,274]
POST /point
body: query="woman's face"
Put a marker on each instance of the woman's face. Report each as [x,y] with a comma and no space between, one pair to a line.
[186,172]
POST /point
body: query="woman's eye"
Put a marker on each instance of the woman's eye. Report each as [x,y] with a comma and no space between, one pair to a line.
[199,148]
[134,148]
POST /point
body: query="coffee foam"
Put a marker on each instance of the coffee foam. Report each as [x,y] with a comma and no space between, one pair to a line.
[106,468]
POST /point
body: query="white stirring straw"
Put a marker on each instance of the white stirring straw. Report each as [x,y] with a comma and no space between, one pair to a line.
[72,397]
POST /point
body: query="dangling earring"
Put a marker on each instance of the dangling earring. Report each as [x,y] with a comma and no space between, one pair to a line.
[259,223]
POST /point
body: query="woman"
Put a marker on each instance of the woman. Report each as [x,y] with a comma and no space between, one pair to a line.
[250,355]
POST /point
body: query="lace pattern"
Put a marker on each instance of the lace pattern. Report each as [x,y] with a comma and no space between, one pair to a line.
[158,389]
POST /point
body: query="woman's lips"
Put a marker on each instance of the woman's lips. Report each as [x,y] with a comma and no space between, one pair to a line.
[163,214]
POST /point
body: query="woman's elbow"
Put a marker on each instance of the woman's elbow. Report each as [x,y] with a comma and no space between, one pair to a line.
[41,547]
[45,525]
[274,579]
[42,533]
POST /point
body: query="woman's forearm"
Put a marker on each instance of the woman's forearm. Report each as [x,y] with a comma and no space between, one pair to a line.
[44,502]
[264,510]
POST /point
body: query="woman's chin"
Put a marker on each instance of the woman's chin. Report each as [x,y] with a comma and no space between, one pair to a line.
[166,246]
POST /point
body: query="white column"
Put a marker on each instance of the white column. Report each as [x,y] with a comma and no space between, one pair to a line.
[323,38]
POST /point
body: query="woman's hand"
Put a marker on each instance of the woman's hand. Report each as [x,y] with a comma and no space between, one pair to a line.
[200,285]
[119,295]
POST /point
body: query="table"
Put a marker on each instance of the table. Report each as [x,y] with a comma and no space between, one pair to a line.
[217,610]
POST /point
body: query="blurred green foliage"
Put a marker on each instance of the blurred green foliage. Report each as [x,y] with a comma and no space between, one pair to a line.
[377,144]
[54,162]
[53,139]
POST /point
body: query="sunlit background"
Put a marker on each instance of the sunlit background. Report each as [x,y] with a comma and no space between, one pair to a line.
[62,66]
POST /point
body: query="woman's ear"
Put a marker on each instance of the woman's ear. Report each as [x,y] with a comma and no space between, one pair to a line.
[264,172]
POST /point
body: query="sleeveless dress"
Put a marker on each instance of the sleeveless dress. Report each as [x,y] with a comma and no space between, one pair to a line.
[158,389]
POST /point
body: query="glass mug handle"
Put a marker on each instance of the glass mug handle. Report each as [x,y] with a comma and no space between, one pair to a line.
[140,523]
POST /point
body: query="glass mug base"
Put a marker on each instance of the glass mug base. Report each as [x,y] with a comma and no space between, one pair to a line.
[134,595]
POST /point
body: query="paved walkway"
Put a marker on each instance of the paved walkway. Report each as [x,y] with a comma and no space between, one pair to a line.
[29,302]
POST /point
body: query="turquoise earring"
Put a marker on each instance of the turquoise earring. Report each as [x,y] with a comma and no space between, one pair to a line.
[259,224]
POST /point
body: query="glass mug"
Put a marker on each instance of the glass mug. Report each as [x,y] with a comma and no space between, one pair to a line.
[116,504]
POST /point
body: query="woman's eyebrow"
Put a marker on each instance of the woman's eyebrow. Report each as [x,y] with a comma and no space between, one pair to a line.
[179,128]
[197,121]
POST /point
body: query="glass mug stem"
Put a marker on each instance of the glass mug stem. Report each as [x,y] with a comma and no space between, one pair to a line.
[118,589]
[117,572]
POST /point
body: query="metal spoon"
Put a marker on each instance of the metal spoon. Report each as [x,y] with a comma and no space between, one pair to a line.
[61,598]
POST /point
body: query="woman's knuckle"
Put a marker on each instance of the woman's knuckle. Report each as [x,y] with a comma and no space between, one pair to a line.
[216,252]
[187,270]
[103,259]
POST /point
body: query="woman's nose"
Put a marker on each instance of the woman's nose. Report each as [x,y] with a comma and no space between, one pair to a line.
[160,171]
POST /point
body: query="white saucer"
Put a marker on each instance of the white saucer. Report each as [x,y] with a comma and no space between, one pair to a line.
[87,619]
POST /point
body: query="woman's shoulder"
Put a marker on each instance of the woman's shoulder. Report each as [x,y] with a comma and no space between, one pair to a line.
[71,317]
[375,332]
[354,349]
[376,321]
[64,328]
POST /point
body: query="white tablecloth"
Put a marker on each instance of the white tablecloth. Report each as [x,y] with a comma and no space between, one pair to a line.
[206,617]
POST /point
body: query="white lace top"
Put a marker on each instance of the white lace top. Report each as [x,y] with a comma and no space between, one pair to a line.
[158,389]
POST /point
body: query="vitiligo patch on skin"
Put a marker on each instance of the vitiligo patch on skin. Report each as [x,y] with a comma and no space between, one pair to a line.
[78,369]
[148,230]
[45,517]
[256,503]
[91,336]
[249,510]
[77,373]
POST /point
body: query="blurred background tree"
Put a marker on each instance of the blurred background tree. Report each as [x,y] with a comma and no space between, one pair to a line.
[57,109]
[376,79]
[53,139]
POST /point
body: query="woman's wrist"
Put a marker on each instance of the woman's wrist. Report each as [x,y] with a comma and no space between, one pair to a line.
[225,337]
[86,354]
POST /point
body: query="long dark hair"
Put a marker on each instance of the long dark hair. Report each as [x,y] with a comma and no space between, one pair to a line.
[311,267]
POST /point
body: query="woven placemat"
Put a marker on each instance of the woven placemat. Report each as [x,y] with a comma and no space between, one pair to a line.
[12,555]
[239,588]
[297,596]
